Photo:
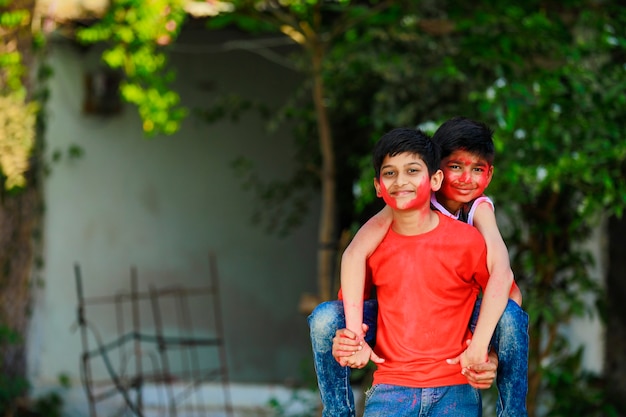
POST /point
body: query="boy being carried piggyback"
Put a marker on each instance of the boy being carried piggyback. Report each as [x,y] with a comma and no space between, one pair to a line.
[467,163]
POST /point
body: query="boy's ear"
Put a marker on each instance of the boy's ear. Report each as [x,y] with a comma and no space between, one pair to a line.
[435,180]
[377,187]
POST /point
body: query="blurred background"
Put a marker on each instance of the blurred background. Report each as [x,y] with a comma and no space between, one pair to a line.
[222,148]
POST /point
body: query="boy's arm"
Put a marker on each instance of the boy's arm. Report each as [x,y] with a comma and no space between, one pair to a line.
[496,293]
[497,252]
[353,269]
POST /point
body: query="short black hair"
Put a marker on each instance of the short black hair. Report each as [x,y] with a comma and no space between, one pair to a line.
[461,133]
[413,141]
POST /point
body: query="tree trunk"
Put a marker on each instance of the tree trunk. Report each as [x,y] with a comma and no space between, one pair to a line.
[19,223]
[20,214]
[326,238]
[615,346]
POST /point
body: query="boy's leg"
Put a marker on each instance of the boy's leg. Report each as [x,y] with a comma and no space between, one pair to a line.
[334,380]
[510,342]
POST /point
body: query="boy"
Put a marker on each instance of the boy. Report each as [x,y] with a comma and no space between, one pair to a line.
[426,284]
[467,151]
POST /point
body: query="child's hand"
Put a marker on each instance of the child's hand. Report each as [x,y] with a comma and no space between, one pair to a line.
[469,357]
[352,350]
[473,355]
[479,375]
[360,358]
[483,375]
[346,343]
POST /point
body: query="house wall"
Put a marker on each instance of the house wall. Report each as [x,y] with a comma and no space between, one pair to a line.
[162,204]
[589,332]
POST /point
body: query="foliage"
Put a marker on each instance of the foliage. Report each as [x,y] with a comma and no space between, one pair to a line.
[17,112]
[11,390]
[303,401]
[137,30]
[22,98]
[17,137]
[50,405]
[272,212]
[297,405]
[11,387]
[567,380]
[558,100]
[547,77]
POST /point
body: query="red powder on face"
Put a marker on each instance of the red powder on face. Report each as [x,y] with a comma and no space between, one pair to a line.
[462,182]
[422,193]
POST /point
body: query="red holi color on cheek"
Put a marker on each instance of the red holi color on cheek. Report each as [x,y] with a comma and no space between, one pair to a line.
[386,197]
[422,191]
[446,189]
[483,181]
[463,179]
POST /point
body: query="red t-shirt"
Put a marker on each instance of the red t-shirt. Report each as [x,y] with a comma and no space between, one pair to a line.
[426,287]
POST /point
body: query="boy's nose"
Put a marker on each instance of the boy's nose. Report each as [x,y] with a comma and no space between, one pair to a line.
[401,179]
[466,176]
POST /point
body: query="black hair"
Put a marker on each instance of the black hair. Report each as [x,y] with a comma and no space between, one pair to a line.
[461,133]
[413,141]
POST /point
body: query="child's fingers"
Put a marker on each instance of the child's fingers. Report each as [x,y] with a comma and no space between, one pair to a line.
[342,353]
[481,378]
[345,337]
[348,334]
[343,347]
[375,358]
[358,360]
[347,343]
[454,361]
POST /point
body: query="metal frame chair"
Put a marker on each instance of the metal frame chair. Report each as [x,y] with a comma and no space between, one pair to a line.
[136,345]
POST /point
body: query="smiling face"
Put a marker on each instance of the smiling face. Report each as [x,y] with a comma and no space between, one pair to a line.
[405,183]
[465,177]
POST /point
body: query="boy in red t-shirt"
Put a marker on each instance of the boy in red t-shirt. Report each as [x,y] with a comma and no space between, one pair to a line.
[426,283]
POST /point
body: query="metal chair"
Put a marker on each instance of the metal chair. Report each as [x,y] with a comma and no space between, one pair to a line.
[174,355]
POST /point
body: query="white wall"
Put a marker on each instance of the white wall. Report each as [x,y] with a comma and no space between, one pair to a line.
[589,331]
[161,204]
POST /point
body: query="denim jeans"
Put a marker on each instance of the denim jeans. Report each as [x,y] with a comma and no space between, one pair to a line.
[384,400]
[333,379]
[510,341]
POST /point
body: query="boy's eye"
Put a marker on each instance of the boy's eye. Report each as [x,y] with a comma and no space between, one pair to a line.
[413,170]
[388,173]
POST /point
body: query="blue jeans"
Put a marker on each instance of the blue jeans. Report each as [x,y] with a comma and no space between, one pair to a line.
[333,379]
[510,341]
[395,401]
